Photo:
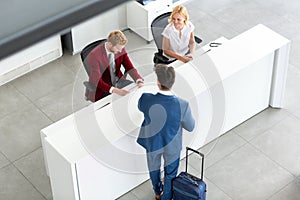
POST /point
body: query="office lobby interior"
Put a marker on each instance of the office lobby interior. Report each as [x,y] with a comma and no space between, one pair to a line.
[258,159]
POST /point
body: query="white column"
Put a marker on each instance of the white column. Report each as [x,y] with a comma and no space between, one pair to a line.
[281,62]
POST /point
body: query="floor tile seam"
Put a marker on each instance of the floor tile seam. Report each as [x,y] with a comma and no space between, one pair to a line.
[216,140]
[76,74]
[267,156]
[136,59]
[228,26]
[233,28]
[215,14]
[293,61]
[32,102]
[281,189]
[69,59]
[14,111]
[264,7]
[41,110]
[29,181]
[51,91]
[225,155]
[268,129]
[27,154]
[61,87]
[288,110]
[220,160]
[216,10]
[45,114]
[294,177]
[292,114]
[9,161]
[265,130]
[20,93]
[60,61]
[293,40]
[77,64]
[296,38]
[136,188]
[237,147]
[238,135]
[48,117]
[55,89]
[272,10]
[218,188]
[215,143]
[134,194]
[21,110]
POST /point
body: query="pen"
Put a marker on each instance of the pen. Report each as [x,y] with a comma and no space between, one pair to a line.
[205,52]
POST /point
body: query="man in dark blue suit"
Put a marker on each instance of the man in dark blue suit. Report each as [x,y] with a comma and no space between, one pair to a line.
[161,133]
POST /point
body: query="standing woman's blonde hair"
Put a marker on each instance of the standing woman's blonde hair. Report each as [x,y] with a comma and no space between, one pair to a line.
[180,10]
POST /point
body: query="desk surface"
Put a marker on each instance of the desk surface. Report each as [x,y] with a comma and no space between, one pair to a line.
[244,49]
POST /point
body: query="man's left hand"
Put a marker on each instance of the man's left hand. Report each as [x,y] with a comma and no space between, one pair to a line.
[140,84]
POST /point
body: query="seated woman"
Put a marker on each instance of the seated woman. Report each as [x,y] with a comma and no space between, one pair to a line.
[178,36]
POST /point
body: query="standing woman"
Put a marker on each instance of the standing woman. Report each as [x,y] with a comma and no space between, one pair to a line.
[178,36]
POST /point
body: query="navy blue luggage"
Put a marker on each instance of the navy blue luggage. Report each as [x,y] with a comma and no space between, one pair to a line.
[188,187]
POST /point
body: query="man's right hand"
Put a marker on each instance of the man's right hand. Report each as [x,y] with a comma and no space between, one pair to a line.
[121,92]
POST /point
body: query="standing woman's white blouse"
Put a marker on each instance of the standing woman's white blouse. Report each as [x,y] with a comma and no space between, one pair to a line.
[179,45]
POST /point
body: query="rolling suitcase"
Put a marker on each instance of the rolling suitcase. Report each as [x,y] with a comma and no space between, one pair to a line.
[188,187]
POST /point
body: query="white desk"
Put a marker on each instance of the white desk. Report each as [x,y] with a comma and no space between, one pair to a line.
[30,58]
[96,28]
[93,154]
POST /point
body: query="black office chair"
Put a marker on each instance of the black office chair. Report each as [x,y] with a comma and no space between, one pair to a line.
[90,87]
[157,27]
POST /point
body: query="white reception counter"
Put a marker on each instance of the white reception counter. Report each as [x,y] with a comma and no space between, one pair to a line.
[92,154]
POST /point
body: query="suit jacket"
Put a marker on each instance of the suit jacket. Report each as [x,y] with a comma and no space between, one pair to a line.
[164,118]
[100,70]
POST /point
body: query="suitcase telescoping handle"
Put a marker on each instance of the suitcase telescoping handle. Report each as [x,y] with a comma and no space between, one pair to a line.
[186,159]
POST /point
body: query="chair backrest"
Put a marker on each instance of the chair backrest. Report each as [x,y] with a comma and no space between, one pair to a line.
[157,27]
[86,51]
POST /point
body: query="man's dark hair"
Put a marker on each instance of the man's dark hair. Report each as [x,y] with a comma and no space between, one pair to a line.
[165,76]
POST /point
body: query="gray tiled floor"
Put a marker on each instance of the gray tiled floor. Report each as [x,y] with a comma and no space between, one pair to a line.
[259,159]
